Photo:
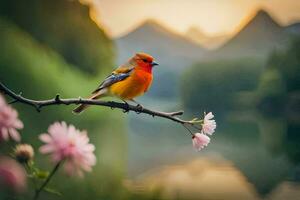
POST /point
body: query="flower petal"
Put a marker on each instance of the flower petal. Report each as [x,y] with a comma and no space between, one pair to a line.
[45,138]
[4,133]
[14,134]
[67,143]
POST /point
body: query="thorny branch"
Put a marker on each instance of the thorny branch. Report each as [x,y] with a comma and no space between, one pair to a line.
[39,104]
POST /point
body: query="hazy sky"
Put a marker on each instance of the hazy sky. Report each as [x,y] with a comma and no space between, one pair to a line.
[212,16]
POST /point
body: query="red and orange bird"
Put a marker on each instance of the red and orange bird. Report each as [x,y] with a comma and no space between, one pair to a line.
[128,81]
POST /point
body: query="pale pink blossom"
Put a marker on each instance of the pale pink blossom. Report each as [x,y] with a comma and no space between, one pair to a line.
[9,122]
[12,175]
[209,124]
[67,143]
[200,141]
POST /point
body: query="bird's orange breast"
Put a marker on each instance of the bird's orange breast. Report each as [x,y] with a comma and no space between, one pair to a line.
[135,85]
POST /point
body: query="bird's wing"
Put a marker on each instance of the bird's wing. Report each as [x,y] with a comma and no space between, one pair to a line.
[120,74]
[124,68]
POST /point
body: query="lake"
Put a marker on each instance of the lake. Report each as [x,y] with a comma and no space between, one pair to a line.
[251,156]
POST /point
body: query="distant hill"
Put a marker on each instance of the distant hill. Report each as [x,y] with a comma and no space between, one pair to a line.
[66,27]
[257,38]
[170,49]
[173,52]
[294,28]
[209,42]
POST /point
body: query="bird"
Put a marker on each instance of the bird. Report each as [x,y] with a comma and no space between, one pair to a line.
[129,80]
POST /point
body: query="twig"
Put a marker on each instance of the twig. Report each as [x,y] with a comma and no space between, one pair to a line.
[37,193]
[38,105]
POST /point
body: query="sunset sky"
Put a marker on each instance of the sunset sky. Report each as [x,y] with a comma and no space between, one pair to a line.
[211,16]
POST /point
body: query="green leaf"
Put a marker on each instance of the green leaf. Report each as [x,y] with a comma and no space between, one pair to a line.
[52,191]
[42,174]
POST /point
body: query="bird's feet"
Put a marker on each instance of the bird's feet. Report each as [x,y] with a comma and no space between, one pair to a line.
[139,108]
[126,107]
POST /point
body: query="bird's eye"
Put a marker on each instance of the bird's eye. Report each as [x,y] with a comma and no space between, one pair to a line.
[145,60]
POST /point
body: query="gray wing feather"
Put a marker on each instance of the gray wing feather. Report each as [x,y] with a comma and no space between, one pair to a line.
[111,79]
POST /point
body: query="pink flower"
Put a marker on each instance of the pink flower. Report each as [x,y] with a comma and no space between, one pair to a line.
[9,122]
[200,141]
[209,125]
[12,175]
[67,143]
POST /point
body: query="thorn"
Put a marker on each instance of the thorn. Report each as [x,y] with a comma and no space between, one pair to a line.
[38,108]
[13,101]
[79,100]
[57,98]
[125,110]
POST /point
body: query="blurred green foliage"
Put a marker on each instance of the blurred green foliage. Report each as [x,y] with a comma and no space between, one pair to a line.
[40,73]
[228,84]
[66,27]
[280,81]
[212,86]
[288,64]
[40,42]
[49,47]
[271,89]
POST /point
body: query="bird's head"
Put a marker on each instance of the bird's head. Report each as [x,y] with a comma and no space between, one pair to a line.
[144,61]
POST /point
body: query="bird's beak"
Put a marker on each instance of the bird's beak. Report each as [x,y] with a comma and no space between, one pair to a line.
[154,63]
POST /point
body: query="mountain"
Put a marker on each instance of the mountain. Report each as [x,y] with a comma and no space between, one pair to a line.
[257,38]
[173,52]
[294,28]
[209,42]
[170,49]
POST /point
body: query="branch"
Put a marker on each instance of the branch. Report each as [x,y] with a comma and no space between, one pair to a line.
[123,106]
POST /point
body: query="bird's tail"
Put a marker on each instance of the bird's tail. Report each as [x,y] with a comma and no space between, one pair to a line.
[79,109]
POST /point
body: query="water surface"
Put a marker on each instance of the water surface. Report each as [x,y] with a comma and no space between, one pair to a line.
[251,156]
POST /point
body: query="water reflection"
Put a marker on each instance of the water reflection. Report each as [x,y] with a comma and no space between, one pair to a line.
[250,157]
[198,179]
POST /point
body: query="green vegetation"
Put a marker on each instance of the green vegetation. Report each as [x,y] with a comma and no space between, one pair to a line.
[64,26]
[225,85]
[213,86]
[279,85]
[40,73]
[287,63]
[272,88]
[49,47]
[40,62]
